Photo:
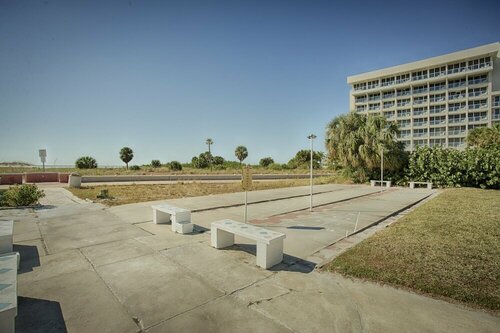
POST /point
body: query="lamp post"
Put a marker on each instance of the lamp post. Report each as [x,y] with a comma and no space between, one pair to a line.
[311,137]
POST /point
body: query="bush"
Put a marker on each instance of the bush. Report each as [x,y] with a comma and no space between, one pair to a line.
[155,163]
[218,160]
[24,195]
[135,167]
[202,161]
[274,166]
[266,161]
[86,162]
[477,167]
[175,166]
[303,159]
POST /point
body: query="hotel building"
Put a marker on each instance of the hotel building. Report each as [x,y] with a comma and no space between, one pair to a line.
[435,101]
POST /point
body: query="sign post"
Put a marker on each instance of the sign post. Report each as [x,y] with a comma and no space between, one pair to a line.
[43,156]
[246,183]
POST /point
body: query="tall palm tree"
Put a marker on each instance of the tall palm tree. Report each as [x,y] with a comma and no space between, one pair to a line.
[241,152]
[209,142]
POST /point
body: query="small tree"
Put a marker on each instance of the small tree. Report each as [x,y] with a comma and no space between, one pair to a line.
[241,152]
[265,162]
[209,142]
[218,160]
[86,162]
[155,163]
[126,155]
[175,166]
[484,137]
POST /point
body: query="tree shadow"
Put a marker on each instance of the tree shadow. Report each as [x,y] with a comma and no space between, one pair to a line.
[29,257]
[290,263]
[301,227]
[39,316]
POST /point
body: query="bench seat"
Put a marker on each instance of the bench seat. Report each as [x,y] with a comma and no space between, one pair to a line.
[374,182]
[269,243]
[8,292]
[428,184]
[179,218]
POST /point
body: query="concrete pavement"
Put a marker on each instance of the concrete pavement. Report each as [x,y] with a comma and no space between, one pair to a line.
[88,268]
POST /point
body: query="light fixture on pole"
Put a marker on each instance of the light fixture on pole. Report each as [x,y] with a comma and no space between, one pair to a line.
[311,137]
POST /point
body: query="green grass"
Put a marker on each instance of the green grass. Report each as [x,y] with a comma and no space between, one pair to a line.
[448,247]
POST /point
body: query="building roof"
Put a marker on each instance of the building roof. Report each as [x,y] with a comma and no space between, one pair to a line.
[429,62]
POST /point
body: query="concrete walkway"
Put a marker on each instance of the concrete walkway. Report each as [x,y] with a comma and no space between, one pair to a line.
[88,268]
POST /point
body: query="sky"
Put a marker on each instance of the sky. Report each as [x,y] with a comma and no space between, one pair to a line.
[89,77]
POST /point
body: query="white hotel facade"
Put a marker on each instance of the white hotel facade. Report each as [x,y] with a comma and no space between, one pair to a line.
[435,101]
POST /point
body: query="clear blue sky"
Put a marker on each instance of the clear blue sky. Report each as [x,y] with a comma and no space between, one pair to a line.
[89,77]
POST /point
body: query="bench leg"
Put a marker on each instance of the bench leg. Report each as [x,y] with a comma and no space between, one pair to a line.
[221,238]
[429,186]
[269,255]
[412,185]
[7,321]
[160,217]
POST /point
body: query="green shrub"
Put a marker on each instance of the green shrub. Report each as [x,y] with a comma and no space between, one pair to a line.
[86,162]
[447,167]
[266,161]
[23,195]
[274,166]
[175,166]
[218,160]
[135,167]
[155,163]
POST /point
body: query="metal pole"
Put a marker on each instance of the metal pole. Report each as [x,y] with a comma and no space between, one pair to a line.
[246,204]
[43,164]
[382,171]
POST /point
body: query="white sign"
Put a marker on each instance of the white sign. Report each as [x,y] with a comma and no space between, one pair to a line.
[43,154]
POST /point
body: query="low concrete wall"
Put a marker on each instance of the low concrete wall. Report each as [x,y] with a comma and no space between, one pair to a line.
[63,177]
[11,178]
[41,177]
[138,178]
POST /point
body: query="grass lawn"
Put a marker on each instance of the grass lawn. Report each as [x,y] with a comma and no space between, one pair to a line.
[450,247]
[124,194]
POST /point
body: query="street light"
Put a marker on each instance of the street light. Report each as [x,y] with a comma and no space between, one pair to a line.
[311,137]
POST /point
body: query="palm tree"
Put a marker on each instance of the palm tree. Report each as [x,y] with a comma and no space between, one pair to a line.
[355,142]
[209,142]
[484,137]
[126,155]
[241,152]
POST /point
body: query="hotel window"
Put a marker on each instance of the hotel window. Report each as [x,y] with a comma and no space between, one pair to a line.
[403,102]
[420,132]
[374,97]
[389,115]
[361,99]
[496,114]
[437,108]
[471,127]
[403,92]
[387,81]
[402,78]
[404,123]
[453,107]
[437,142]
[437,120]
[420,100]
[437,86]
[456,130]
[420,122]
[478,79]
[420,75]
[360,108]
[417,143]
[435,72]
[388,94]
[456,94]
[478,116]
[388,105]
[456,142]
[419,111]
[438,131]
[457,68]
[420,89]
[456,118]
[404,113]
[482,103]
[474,92]
[372,84]
[479,63]
[456,83]
[372,107]
[360,86]
[437,98]
[404,134]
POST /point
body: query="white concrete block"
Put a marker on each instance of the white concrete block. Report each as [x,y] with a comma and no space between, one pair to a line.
[8,293]
[6,232]
[183,227]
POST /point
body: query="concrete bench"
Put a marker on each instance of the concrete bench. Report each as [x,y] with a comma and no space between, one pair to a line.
[428,184]
[269,243]
[374,182]
[180,218]
[6,232]
[8,292]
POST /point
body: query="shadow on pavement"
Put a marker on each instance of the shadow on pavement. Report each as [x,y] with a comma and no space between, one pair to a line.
[29,257]
[290,263]
[38,315]
[301,227]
